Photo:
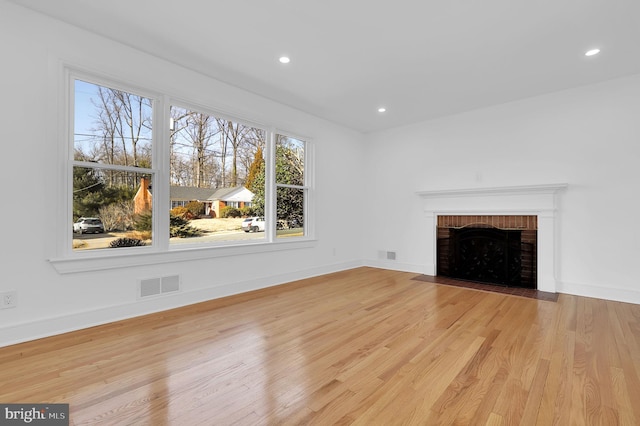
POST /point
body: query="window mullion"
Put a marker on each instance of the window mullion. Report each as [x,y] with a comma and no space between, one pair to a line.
[286,185]
[270,187]
[115,167]
[161,201]
[66,156]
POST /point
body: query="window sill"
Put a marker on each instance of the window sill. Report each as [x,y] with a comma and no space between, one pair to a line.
[133,259]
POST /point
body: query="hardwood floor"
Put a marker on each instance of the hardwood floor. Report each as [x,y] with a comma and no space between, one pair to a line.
[362,347]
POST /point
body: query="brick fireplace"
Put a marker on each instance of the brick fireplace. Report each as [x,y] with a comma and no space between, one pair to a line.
[524,208]
[500,249]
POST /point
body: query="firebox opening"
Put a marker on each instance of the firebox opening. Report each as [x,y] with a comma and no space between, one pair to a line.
[490,249]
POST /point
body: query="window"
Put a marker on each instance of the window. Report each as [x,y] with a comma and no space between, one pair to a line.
[291,191]
[136,160]
[112,164]
[222,160]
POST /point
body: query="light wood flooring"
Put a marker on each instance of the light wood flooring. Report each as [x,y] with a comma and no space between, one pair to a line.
[362,347]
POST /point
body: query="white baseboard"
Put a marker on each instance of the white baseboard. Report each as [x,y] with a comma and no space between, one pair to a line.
[41,328]
[606,293]
[394,266]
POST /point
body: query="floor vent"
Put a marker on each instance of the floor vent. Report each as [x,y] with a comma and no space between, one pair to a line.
[156,286]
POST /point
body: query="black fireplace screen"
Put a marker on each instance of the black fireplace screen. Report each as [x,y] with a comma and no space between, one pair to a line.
[487,255]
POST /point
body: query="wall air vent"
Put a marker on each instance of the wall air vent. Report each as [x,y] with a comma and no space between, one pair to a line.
[170,283]
[156,286]
[149,287]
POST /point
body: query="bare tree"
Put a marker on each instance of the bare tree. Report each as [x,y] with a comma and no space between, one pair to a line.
[253,140]
[243,141]
[192,148]
[178,168]
[208,151]
[123,122]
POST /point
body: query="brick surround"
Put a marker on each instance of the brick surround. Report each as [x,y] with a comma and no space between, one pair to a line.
[527,224]
[497,221]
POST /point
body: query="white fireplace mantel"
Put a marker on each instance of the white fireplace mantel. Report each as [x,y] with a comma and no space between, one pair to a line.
[538,200]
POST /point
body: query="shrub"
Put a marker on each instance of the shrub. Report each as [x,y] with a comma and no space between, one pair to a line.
[117,216]
[196,208]
[181,211]
[229,212]
[179,227]
[247,212]
[143,221]
[177,220]
[126,242]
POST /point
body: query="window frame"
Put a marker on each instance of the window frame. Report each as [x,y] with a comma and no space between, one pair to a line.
[67,260]
[181,103]
[306,184]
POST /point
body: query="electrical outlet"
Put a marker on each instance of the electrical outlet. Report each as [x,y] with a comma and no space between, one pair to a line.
[8,299]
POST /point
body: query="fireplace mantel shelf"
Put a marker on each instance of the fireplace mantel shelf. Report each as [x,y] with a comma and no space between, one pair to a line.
[498,190]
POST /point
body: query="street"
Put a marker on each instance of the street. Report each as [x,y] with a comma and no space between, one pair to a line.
[98,241]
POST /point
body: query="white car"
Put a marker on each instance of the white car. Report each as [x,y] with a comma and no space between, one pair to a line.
[85,225]
[253,224]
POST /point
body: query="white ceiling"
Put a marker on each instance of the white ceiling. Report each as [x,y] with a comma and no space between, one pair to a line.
[421,59]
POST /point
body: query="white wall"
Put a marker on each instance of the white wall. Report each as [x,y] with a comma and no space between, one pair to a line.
[49,302]
[588,137]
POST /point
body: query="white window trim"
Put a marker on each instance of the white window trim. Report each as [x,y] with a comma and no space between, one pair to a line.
[308,184]
[66,261]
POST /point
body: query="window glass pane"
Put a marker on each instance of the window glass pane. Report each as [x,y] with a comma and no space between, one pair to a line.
[111,126]
[289,161]
[111,208]
[289,172]
[290,212]
[217,179]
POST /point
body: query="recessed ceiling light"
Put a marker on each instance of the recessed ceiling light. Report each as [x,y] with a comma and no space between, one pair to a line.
[382,109]
[592,52]
[284,59]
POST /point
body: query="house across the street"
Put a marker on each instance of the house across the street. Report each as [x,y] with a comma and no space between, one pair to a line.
[214,199]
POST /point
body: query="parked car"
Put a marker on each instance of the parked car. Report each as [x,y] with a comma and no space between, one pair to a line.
[253,224]
[86,225]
